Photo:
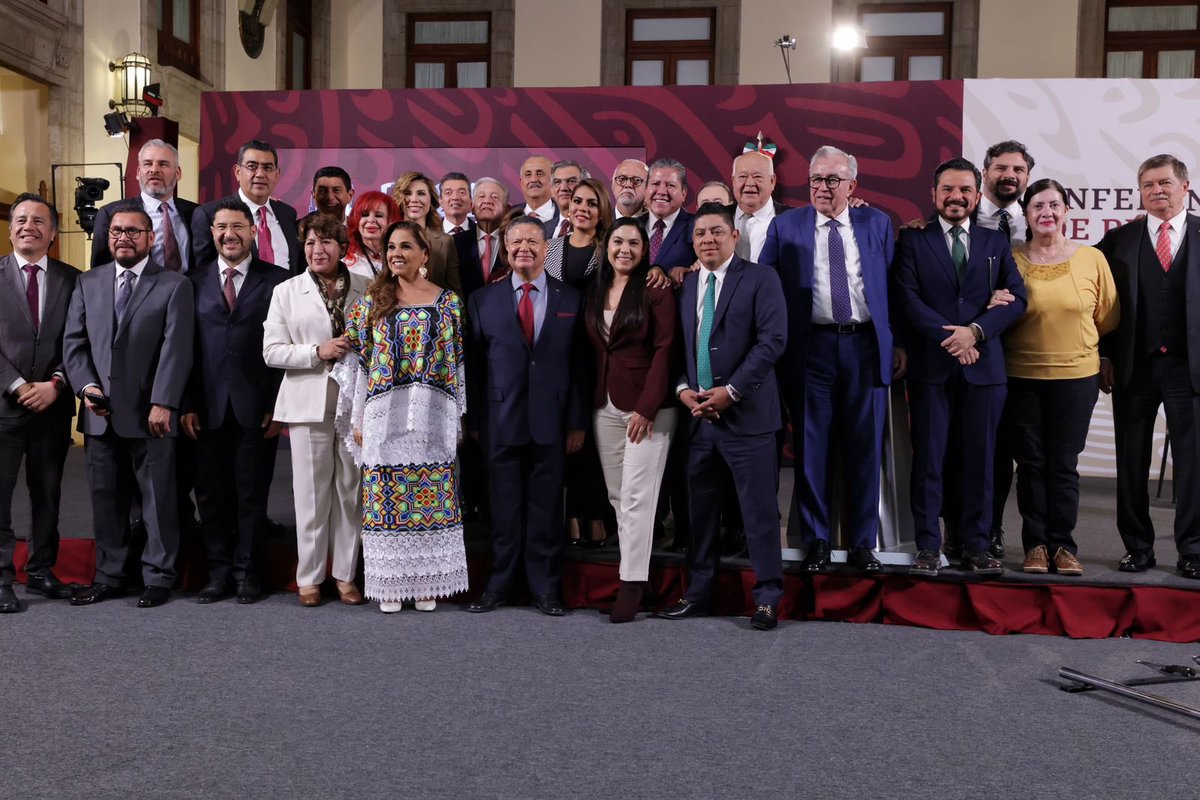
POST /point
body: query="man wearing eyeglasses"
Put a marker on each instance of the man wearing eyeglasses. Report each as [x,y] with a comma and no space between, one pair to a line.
[629,188]
[276,240]
[158,176]
[833,261]
[128,348]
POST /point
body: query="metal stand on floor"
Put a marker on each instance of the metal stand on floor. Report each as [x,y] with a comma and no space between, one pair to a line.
[1169,673]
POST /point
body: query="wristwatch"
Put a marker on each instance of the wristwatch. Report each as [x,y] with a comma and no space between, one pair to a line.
[978,331]
[58,382]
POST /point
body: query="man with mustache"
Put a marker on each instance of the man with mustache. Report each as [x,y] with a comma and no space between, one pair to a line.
[564,177]
[332,193]
[628,188]
[1152,359]
[945,275]
[1006,169]
[535,179]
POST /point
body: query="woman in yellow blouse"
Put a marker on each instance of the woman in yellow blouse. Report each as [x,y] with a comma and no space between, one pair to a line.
[1053,366]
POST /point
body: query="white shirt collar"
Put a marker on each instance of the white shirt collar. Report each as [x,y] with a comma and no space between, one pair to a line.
[545,212]
[242,266]
[668,221]
[766,213]
[946,226]
[989,209]
[254,207]
[1177,222]
[719,271]
[41,263]
[136,269]
[151,203]
[842,218]
[448,226]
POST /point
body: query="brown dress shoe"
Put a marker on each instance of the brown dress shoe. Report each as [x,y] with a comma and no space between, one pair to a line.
[350,595]
[1037,560]
[309,596]
[1065,563]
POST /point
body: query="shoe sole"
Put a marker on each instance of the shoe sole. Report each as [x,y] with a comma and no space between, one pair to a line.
[1035,570]
[984,572]
[1069,572]
[923,573]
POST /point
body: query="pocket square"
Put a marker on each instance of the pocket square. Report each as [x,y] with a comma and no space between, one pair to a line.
[566,314]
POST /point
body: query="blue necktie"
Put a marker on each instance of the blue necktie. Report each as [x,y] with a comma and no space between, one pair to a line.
[704,376]
[839,281]
[124,292]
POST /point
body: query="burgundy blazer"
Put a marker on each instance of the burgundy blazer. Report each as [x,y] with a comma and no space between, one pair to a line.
[634,368]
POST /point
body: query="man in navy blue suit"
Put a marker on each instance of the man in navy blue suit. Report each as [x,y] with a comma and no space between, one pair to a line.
[668,224]
[733,327]
[945,277]
[229,402]
[833,262]
[526,366]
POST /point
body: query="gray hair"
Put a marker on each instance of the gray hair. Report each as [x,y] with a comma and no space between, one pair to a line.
[770,161]
[162,144]
[671,164]
[557,165]
[641,164]
[485,179]
[829,151]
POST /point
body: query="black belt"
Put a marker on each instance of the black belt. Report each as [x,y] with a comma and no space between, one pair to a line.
[847,327]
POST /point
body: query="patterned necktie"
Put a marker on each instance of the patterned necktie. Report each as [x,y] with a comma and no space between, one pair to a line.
[1005,227]
[743,243]
[839,281]
[1162,247]
[124,292]
[31,293]
[230,294]
[525,312]
[958,251]
[704,376]
[170,247]
[564,228]
[656,241]
[265,251]
[487,256]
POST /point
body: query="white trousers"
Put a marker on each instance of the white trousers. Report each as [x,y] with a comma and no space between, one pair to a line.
[633,474]
[327,486]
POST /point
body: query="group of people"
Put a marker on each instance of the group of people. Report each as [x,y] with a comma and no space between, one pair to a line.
[435,351]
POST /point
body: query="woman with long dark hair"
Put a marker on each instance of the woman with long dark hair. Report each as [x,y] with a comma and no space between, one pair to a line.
[632,330]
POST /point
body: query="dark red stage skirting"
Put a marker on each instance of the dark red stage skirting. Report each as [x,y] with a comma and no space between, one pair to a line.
[1080,611]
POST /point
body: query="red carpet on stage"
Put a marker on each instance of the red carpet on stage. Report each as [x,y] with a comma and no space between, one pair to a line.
[1080,611]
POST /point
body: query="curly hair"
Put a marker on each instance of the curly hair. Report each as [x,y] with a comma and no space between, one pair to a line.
[407,179]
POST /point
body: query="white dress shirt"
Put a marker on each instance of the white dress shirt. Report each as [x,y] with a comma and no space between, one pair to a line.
[988,216]
[822,310]
[1174,233]
[668,223]
[756,227]
[701,288]
[153,206]
[544,212]
[448,226]
[948,237]
[279,242]
[239,276]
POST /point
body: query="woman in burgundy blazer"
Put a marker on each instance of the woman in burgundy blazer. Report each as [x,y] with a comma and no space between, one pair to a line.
[632,330]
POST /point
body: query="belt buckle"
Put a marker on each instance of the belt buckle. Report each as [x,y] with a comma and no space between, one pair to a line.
[846,327]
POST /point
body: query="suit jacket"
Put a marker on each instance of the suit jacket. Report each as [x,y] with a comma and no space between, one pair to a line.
[749,335]
[928,296]
[634,367]
[443,263]
[470,266]
[790,248]
[145,361]
[296,323]
[33,355]
[517,394]
[556,250]
[228,371]
[100,251]
[1123,248]
[204,251]
[676,250]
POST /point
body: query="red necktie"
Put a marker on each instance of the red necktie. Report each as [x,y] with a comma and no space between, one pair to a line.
[456,230]
[525,312]
[265,251]
[230,295]
[31,293]
[487,256]
[564,228]
[170,247]
[656,241]
[1162,247]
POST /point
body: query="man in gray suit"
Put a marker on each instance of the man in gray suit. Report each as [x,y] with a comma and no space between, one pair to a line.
[35,408]
[128,347]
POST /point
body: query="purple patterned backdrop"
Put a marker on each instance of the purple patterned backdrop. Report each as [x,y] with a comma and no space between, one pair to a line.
[898,131]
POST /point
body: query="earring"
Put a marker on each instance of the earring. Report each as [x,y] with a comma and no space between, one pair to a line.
[424,272]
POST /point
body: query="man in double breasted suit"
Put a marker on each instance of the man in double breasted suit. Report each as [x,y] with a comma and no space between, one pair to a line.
[36,406]
[127,348]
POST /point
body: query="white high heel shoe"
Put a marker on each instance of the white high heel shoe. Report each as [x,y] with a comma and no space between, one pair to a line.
[426,605]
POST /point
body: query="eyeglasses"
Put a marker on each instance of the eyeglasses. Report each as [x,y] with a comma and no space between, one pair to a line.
[832,181]
[133,234]
[629,181]
[236,227]
[253,167]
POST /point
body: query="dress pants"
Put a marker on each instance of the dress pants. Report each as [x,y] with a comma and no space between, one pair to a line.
[327,486]
[752,460]
[231,493]
[633,474]
[1050,420]
[525,486]
[1157,380]
[116,467]
[42,440]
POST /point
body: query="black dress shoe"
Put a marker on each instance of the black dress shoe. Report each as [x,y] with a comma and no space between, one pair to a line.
[213,591]
[486,602]
[764,618]
[549,605]
[1189,566]
[1136,561]
[817,557]
[153,596]
[981,563]
[996,548]
[8,601]
[96,593]
[682,610]
[248,591]
[864,560]
[47,585]
[926,563]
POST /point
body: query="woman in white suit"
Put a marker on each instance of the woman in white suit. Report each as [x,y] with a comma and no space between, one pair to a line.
[304,336]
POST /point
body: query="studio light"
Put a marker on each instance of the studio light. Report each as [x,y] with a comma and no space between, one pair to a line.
[848,37]
[135,77]
[115,123]
[87,193]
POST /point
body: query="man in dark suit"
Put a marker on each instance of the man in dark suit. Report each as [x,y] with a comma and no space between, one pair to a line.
[230,399]
[945,276]
[128,348]
[332,194]
[36,407]
[668,224]
[479,245]
[732,330]
[539,196]
[1152,359]
[158,176]
[833,261]
[276,240]
[528,399]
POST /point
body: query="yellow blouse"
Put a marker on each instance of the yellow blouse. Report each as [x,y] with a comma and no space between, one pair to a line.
[1071,305]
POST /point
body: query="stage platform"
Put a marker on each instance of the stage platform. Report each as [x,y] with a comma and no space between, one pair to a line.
[1102,603]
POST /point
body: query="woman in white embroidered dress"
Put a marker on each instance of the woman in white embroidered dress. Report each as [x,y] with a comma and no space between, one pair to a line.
[402,396]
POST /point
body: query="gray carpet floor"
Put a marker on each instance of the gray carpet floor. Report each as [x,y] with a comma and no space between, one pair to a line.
[276,701]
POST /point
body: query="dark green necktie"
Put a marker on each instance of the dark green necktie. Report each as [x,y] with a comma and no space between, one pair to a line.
[958,251]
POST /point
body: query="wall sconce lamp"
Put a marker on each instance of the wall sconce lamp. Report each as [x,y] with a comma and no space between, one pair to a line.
[135,77]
